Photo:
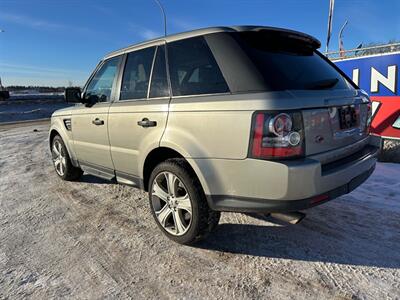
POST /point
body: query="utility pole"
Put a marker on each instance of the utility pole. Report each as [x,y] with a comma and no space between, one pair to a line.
[330,18]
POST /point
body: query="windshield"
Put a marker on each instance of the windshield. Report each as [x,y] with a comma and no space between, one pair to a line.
[288,63]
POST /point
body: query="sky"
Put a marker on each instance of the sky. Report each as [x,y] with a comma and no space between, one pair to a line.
[59,42]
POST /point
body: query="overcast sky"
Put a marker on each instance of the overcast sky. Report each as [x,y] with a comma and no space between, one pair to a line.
[51,42]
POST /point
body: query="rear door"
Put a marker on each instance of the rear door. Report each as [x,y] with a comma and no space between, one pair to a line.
[138,117]
[89,122]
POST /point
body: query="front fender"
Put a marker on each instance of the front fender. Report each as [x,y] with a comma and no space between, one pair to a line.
[57,125]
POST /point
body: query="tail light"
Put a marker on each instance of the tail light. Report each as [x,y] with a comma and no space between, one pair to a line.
[369,117]
[277,135]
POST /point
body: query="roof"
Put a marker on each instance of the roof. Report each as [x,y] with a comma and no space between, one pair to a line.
[204,31]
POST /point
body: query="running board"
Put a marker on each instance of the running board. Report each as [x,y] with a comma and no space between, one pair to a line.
[98,173]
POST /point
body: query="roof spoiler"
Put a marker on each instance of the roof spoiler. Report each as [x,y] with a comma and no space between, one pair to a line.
[292,34]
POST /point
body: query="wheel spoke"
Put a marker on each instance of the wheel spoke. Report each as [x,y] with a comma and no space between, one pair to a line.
[61,168]
[57,161]
[171,183]
[159,192]
[184,203]
[55,150]
[179,227]
[163,215]
[59,148]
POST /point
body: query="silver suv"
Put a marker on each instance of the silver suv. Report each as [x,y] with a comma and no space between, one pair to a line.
[242,119]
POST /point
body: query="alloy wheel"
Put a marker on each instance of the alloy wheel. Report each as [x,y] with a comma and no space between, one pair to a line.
[59,159]
[171,203]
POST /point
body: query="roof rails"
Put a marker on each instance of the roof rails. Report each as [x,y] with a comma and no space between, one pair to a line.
[203,31]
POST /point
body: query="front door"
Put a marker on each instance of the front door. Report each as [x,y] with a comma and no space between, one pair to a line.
[90,122]
[138,118]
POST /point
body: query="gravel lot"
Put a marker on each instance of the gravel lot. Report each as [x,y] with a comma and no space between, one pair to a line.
[93,239]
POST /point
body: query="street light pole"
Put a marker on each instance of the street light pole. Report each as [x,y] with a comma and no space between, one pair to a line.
[341,48]
[164,15]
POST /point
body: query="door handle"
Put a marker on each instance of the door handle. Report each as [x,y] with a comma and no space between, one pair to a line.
[147,123]
[98,122]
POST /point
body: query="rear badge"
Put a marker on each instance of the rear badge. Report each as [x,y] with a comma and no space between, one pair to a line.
[319,139]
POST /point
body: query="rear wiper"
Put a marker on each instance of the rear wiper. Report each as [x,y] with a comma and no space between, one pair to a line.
[323,84]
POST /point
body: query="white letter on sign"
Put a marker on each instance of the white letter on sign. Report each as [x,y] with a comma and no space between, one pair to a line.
[356,76]
[389,81]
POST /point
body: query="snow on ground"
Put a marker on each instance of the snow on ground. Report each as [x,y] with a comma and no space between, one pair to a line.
[95,239]
[14,110]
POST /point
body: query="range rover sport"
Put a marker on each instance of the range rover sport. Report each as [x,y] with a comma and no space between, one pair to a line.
[242,119]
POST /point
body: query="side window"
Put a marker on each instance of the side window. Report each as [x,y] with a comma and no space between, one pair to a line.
[101,84]
[193,68]
[159,83]
[135,81]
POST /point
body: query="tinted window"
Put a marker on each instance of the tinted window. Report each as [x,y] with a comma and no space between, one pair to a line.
[135,81]
[289,64]
[159,82]
[101,84]
[193,69]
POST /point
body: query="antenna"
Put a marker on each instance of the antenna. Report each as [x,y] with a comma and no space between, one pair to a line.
[164,15]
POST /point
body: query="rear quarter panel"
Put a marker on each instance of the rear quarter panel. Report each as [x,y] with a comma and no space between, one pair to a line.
[208,127]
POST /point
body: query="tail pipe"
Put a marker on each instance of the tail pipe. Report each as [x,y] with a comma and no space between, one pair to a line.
[290,217]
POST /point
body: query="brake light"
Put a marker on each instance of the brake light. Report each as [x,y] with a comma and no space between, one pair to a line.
[277,135]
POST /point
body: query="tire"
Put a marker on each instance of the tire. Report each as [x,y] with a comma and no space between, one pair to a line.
[186,189]
[62,162]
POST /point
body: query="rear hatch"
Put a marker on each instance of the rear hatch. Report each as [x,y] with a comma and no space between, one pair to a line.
[334,111]
[337,120]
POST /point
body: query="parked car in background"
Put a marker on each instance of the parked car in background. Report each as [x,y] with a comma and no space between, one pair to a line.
[243,119]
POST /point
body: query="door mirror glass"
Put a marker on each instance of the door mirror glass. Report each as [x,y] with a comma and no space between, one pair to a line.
[73,95]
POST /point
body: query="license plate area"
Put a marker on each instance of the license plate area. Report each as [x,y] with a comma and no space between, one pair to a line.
[348,117]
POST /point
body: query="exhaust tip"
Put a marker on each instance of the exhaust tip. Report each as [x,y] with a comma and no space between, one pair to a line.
[290,217]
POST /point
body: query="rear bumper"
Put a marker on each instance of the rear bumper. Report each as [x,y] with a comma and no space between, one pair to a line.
[243,204]
[251,185]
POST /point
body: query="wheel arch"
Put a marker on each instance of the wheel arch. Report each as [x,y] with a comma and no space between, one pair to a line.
[160,154]
[54,131]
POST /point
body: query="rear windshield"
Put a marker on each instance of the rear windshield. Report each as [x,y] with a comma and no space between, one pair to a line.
[288,63]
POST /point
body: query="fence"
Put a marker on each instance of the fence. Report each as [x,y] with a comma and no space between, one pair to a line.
[358,52]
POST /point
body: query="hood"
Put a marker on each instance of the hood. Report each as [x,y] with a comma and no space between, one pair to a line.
[63,111]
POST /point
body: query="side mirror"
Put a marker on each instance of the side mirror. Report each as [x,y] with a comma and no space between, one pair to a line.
[73,95]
